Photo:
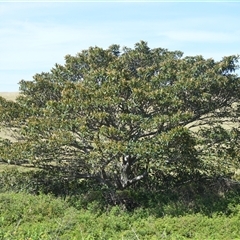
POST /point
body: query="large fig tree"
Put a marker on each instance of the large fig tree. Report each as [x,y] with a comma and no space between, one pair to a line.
[119,115]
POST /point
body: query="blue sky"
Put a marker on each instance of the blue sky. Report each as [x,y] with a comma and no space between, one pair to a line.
[36,35]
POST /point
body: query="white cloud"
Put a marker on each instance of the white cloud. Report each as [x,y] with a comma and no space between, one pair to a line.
[201,36]
[24,44]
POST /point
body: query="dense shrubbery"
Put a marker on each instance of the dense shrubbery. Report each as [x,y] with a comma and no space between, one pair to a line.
[26,216]
[208,195]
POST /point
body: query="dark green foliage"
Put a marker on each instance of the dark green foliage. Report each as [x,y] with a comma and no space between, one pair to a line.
[200,195]
[41,182]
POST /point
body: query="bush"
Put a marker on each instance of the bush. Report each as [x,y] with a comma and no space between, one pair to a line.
[25,216]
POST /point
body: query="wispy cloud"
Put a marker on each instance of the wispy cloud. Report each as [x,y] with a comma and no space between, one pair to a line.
[26,42]
[201,36]
[35,36]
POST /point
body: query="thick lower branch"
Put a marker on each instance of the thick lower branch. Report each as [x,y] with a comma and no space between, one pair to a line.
[130,182]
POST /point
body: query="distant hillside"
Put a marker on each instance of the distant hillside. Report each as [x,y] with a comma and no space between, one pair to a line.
[4,133]
[9,95]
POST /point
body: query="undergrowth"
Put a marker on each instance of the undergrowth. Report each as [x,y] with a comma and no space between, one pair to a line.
[210,210]
[25,216]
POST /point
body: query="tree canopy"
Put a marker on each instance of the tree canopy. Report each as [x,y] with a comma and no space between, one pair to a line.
[120,115]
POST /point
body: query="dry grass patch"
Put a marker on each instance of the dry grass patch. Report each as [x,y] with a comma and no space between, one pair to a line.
[9,95]
[5,133]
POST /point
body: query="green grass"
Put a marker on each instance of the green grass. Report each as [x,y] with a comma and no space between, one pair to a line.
[26,216]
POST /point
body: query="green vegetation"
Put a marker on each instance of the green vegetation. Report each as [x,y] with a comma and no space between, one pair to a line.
[44,217]
[102,147]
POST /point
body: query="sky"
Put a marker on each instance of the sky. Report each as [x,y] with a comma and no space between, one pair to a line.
[34,36]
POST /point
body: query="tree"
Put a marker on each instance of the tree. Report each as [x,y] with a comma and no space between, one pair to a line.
[119,117]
